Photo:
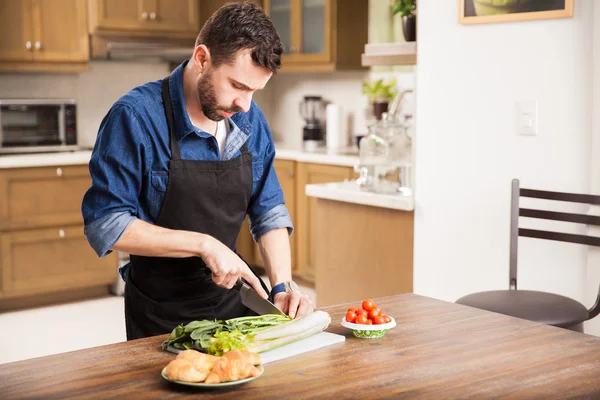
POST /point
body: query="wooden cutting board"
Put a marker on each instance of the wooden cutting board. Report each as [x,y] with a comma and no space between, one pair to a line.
[314,342]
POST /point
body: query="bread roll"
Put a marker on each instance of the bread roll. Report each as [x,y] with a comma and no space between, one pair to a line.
[183,370]
[252,358]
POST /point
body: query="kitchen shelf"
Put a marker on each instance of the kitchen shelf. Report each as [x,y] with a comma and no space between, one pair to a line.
[395,53]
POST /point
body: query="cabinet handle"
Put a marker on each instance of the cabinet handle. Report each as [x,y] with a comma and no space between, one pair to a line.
[144,15]
[153,16]
[38,45]
[28,45]
[59,172]
[61,233]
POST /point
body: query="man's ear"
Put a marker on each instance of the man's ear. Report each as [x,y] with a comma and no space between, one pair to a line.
[200,58]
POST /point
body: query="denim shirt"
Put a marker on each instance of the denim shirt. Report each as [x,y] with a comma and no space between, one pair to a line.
[129,163]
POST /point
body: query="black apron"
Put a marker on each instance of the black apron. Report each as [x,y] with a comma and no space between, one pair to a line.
[209,197]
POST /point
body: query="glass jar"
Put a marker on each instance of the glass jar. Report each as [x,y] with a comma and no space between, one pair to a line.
[373,151]
[394,175]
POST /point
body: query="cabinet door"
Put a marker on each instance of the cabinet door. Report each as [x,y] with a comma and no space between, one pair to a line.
[306,211]
[16,30]
[60,30]
[245,243]
[280,12]
[174,15]
[38,197]
[120,14]
[314,19]
[52,259]
[286,174]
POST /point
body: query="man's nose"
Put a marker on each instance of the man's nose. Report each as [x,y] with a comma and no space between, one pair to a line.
[243,102]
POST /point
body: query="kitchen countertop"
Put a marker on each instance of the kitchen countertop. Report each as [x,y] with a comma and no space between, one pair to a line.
[349,192]
[437,350]
[347,157]
[344,157]
[45,159]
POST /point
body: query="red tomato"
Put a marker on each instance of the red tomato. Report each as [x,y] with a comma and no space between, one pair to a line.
[368,304]
[360,319]
[362,312]
[369,322]
[375,312]
[386,318]
[378,320]
[352,309]
[350,316]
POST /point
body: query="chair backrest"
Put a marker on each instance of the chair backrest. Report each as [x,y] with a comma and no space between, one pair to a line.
[517,212]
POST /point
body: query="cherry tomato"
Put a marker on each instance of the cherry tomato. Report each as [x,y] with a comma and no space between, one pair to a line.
[369,321]
[362,312]
[378,320]
[350,316]
[386,318]
[368,304]
[375,312]
[360,319]
[351,309]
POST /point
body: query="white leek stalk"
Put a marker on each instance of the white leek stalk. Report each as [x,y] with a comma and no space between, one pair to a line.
[292,331]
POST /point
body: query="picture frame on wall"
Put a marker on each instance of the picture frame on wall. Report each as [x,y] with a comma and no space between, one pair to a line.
[494,11]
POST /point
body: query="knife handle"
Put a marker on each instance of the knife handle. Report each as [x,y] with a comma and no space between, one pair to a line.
[238,285]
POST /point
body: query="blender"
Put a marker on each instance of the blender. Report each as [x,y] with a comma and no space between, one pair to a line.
[312,109]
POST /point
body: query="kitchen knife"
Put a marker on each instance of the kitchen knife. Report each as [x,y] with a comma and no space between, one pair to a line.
[253,301]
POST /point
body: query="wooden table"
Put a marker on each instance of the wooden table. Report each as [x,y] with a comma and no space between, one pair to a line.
[438,350]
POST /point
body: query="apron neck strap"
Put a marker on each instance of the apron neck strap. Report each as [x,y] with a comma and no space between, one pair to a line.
[166,96]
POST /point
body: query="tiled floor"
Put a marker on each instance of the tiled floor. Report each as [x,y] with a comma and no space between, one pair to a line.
[62,328]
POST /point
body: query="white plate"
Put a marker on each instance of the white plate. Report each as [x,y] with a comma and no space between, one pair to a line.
[363,327]
[215,385]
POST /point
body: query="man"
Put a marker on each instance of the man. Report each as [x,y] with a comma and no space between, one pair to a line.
[176,167]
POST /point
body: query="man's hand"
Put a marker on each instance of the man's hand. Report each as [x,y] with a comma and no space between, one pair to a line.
[227,267]
[294,303]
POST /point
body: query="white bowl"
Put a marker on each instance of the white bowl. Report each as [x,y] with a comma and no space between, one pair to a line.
[368,331]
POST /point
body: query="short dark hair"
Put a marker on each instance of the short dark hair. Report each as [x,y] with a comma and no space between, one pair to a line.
[240,26]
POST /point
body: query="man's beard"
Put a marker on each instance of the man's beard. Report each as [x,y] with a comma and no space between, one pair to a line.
[208,99]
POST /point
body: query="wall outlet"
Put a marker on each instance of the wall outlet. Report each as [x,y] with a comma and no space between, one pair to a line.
[526,117]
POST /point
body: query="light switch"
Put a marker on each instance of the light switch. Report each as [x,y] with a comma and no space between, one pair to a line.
[527,117]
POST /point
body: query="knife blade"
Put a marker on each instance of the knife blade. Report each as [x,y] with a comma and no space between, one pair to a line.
[253,301]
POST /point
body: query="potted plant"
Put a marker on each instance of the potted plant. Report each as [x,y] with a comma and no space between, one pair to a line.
[408,10]
[380,94]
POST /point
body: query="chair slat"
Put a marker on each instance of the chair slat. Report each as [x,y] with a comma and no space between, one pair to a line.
[560,216]
[560,196]
[560,237]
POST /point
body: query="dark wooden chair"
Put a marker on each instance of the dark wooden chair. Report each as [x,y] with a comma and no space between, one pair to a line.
[547,308]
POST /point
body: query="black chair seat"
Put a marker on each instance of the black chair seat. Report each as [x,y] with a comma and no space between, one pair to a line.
[546,308]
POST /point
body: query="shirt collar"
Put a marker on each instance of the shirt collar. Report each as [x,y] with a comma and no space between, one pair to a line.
[183,125]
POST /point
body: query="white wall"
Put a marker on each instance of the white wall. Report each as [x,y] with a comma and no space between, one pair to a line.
[467,151]
[343,88]
[593,262]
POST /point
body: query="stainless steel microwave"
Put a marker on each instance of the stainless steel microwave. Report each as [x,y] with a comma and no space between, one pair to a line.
[38,125]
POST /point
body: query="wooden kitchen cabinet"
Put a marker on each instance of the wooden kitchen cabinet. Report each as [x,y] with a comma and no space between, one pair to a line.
[38,261]
[306,215]
[146,16]
[42,197]
[286,173]
[16,30]
[43,35]
[320,35]
[293,177]
[44,255]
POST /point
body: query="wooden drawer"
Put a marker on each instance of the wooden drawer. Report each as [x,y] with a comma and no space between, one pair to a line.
[51,259]
[40,197]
